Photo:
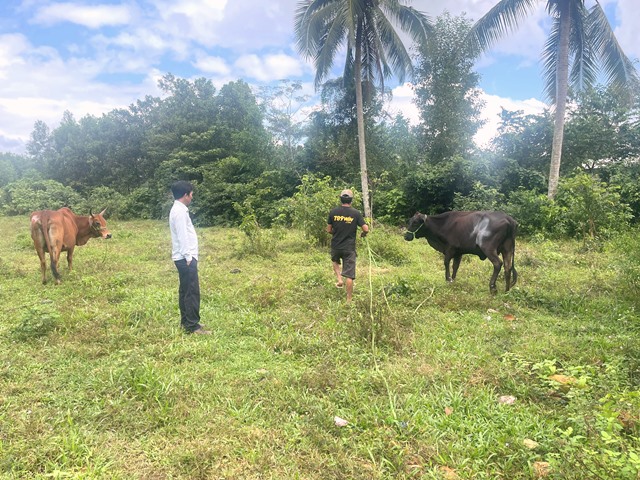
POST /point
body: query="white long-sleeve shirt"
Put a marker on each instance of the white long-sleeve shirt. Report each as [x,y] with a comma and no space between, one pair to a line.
[183,236]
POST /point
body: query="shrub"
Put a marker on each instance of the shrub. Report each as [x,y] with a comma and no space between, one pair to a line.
[104,197]
[590,208]
[26,195]
[310,206]
[259,241]
[534,212]
[481,197]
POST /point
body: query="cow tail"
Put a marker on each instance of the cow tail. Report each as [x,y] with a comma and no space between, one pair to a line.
[47,240]
[514,273]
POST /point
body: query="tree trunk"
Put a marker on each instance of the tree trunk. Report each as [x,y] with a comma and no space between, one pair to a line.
[364,174]
[562,86]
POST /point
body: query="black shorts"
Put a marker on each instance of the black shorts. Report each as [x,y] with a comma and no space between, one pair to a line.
[348,258]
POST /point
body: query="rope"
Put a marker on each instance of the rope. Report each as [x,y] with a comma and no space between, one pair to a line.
[416,230]
[374,353]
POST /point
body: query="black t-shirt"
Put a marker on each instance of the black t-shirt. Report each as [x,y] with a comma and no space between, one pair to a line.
[345,222]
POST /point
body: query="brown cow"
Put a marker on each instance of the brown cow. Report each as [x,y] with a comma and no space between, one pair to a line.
[485,234]
[57,231]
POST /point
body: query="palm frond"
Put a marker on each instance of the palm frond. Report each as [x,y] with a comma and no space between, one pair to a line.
[584,65]
[415,23]
[503,18]
[619,71]
[550,60]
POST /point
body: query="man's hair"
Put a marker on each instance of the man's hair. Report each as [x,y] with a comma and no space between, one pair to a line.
[181,188]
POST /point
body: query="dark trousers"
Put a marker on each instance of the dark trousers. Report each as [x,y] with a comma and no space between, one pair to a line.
[189,294]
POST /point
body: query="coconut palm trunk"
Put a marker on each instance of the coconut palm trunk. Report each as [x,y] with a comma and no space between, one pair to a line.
[362,147]
[562,88]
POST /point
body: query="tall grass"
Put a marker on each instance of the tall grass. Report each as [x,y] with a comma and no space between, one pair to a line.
[97,380]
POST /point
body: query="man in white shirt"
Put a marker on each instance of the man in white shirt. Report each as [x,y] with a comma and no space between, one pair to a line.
[185,256]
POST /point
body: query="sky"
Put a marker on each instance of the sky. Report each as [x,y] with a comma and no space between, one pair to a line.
[92,56]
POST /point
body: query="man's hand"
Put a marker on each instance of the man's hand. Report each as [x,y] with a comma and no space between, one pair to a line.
[363,234]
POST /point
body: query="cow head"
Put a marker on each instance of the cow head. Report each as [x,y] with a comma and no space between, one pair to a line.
[98,225]
[413,227]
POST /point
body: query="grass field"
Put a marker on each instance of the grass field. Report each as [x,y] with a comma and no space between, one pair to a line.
[434,380]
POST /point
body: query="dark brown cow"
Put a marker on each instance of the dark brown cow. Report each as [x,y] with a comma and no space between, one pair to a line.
[57,231]
[485,234]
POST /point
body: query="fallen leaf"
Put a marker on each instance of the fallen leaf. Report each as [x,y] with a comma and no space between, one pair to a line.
[563,379]
[449,473]
[530,444]
[491,310]
[448,411]
[509,317]
[541,469]
[507,399]
[340,422]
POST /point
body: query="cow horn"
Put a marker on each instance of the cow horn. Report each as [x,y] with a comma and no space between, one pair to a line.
[90,213]
[102,212]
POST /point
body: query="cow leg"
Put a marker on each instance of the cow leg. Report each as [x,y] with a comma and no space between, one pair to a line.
[456,264]
[43,262]
[508,268]
[54,255]
[38,243]
[447,261]
[497,265]
[70,258]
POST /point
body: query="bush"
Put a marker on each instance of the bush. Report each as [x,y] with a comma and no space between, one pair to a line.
[259,241]
[105,197]
[534,212]
[590,208]
[311,204]
[481,197]
[26,195]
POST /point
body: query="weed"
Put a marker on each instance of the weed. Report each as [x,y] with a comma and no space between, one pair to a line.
[37,321]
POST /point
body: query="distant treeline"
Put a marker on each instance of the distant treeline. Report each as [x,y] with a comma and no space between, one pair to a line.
[248,152]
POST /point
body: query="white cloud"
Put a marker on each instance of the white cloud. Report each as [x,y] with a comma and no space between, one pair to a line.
[628,14]
[402,102]
[90,16]
[493,108]
[214,65]
[11,47]
[195,20]
[269,67]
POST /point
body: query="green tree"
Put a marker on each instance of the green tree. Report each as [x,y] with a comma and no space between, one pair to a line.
[580,45]
[281,105]
[599,131]
[522,151]
[374,48]
[447,93]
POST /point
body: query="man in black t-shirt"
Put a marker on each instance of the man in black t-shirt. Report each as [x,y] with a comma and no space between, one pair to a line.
[343,224]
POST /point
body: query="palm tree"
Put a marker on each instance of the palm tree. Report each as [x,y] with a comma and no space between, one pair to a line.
[580,46]
[374,49]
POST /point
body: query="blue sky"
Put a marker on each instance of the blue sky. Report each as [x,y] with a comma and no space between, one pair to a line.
[92,56]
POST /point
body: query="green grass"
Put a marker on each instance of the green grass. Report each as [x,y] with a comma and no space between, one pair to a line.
[97,380]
